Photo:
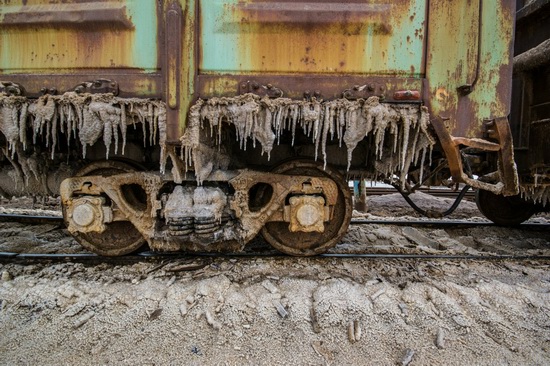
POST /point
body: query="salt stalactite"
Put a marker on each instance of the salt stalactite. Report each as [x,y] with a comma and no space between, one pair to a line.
[538,194]
[13,111]
[191,138]
[400,131]
[85,117]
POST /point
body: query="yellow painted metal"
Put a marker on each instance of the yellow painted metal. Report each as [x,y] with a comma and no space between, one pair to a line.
[41,36]
[312,37]
[180,66]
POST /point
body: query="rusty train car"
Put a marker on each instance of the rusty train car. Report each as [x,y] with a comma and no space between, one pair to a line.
[199,124]
[530,114]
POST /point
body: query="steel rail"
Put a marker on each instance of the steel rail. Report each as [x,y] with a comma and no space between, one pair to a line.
[153,256]
[31,219]
[37,219]
[445,223]
[436,192]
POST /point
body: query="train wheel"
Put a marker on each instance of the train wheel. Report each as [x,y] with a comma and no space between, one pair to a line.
[504,210]
[119,237]
[311,243]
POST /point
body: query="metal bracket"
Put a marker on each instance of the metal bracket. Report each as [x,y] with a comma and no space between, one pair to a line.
[97,86]
[259,89]
[465,89]
[363,91]
[508,185]
[49,91]
[88,214]
[307,213]
[11,89]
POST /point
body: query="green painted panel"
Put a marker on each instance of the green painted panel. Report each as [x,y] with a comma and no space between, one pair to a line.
[41,36]
[143,14]
[482,57]
[370,37]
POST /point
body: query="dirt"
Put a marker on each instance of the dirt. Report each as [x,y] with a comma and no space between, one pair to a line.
[284,310]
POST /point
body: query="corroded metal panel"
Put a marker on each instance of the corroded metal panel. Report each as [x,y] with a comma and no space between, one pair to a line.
[327,87]
[469,62]
[312,37]
[56,45]
[40,35]
[179,67]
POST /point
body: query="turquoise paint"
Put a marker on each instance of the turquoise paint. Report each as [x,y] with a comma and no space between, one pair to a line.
[219,38]
[223,49]
[496,38]
[447,70]
[399,54]
[143,14]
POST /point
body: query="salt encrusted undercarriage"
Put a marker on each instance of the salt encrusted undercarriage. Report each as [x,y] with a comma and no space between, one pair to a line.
[201,194]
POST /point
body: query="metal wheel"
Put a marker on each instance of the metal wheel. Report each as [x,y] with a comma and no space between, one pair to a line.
[119,237]
[504,210]
[311,243]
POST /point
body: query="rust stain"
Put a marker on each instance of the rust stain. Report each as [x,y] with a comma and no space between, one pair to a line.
[62,48]
[303,41]
[68,35]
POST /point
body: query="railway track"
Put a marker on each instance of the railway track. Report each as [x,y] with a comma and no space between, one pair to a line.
[437,192]
[57,220]
[153,256]
[268,252]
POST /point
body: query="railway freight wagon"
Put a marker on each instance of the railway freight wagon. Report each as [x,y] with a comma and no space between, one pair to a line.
[198,124]
[530,114]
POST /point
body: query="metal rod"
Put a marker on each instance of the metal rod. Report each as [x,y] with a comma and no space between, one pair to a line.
[433,213]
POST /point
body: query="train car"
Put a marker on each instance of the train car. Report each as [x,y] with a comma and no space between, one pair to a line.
[529,119]
[199,124]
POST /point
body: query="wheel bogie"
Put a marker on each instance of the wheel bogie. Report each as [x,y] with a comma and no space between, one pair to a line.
[310,206]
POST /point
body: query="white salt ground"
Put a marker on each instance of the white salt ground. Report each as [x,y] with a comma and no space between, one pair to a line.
[285,311]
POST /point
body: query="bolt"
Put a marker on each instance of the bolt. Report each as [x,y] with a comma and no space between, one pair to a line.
[12,90]
[317,93]
[370,87]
